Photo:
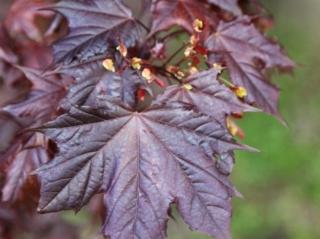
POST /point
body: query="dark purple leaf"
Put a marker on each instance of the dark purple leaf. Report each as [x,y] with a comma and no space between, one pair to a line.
[167,13]
[30,150]
[241,46]
[98,81]
[6,52]
[25,156]
[143,162]
[95,26]
[207,94]
[24,19]
[42,101]
[229,5]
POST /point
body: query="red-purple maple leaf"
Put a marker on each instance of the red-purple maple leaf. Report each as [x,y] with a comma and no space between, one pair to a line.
[229,5]
[240,45]
[143,162]
[207,94]
[30,149]
[167,13]
[94,27]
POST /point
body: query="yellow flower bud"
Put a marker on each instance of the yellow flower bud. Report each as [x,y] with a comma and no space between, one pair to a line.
[193,70]
[109,65]
[187,87]
[123,50]
[136,63]
[146,73]
[217,67]
[241,92]
[198,25]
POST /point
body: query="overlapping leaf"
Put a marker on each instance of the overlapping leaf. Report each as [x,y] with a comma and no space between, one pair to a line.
[207,94]
[43,100]
[24,18]
[27,154]
[95,26]
[96,81]
[177,151]
[30,150]
[240,45]
[229,5]
[143,162]
[6,52]
[167,13]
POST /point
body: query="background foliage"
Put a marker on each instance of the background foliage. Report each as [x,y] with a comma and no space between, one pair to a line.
[280,184]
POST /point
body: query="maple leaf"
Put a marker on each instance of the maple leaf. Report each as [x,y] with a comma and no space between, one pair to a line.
[240,45]
[30,150]
[207,94]
[229,5]
[95,26]
[143,162]
[26,155]
[167,13]
[25,18]
[41,60]
[42,101]
[6,51]
[98,81]
[8,74]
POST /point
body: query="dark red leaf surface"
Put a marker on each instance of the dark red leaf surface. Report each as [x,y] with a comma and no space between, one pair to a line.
[26,155]
[95,26]
[208,95]
[143,162]
[240,44]
[24,18]
[30,150]
[96,81]
[229,5]
[180,12]
[6,51]
[107,133]
[42,102]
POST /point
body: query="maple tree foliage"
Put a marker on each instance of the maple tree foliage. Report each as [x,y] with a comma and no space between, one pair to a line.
[111,106]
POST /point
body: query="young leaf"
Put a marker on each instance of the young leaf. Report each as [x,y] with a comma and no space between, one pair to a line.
[167,13]
[94,25]
[143,162]
[240,44]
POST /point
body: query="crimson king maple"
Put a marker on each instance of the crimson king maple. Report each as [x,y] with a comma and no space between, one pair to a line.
[126,110]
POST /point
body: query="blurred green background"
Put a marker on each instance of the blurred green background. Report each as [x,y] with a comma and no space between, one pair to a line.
[281,185]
